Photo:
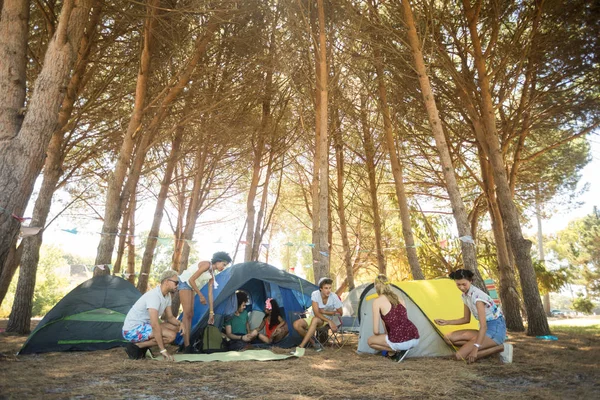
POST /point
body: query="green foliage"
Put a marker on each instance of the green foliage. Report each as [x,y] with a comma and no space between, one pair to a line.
[51,286]
[578,246]
[549,281]
[583,305]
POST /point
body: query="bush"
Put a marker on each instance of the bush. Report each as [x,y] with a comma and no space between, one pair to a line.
[583,305]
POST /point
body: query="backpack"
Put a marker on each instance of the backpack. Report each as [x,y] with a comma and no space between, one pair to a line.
[212,340]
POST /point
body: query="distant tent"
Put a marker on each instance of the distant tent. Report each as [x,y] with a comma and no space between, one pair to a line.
[425,300]
[90,317]
[350,318]
[260,281]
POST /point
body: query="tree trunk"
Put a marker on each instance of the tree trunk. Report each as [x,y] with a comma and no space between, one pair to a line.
[370,164]
[397,172]
[321,176]
[252,192]
[537,321]
[22,157]
[53,167]
[41,119]
[511,304]
[341,206]
[196,200]
[458,207]
[112,211]
[131,241]
[14,27]
[159,211]
[540,239]
[9,271]
[258,229]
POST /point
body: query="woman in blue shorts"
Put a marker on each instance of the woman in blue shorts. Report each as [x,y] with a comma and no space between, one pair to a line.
[489,339]
[190,282]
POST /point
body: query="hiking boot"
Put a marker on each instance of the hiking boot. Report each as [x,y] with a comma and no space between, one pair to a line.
[399,356]
[134,352]
[507,355]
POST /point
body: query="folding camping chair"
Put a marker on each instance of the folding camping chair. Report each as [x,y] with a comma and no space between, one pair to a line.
[325,336]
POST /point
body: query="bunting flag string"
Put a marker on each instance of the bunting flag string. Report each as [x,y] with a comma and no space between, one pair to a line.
[15,216]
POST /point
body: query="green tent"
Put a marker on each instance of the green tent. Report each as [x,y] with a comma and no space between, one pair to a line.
[90,317]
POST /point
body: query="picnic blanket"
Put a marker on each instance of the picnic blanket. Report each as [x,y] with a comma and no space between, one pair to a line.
[248,355]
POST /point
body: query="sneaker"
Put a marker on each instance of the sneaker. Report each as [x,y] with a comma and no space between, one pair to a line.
[318,347]
[507,355]
[134,352]
[399,356]
[299,352]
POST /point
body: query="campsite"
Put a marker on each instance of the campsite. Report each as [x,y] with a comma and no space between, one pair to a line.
[563,369]
[304,199]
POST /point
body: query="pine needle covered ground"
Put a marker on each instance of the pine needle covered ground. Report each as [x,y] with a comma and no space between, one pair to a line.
[567,368]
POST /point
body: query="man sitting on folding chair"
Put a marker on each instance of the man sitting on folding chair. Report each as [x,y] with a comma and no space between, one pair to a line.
[325,306]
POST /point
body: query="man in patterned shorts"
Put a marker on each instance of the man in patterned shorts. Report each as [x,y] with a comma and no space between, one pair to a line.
[142,327]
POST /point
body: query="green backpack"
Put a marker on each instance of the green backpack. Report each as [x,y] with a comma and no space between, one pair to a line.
[212,340]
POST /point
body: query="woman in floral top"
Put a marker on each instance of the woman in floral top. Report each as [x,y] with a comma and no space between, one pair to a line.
[489,339]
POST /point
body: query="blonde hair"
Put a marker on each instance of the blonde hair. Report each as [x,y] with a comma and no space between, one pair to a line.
[383,288]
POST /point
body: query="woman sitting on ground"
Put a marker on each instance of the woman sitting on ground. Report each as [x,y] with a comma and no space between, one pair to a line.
[489,339]
[237,326]
[325,305]
[273,322]
[400,334]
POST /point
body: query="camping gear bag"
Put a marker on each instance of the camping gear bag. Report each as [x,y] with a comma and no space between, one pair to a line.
[212,341]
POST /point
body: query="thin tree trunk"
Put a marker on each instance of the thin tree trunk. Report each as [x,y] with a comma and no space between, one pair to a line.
[397,172]
[252,192]
[112,212]
[370,164]
[34,135]
[540,239]
[131,241]
[258,229]
[193,207]
[511,304]
[121,247]
[148,256]
[458,207]
[537,321]
[321,176]
[341,206]
[14,27]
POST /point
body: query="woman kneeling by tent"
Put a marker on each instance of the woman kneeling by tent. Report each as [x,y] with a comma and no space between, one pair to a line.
[489,339]
[401,334]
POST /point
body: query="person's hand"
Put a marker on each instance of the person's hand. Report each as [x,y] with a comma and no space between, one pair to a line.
[211,319]
[245,338]
[333,326]
[202,299]
[166,355]
[440,322]
[472,355]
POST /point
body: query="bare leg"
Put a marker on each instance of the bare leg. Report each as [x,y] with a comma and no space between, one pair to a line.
[487,348]
[283,332]
[314,324]
[187,302]
[378,342]
[168,336]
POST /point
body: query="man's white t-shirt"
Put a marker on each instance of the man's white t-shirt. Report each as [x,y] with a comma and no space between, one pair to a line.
[139,312]
[333,302]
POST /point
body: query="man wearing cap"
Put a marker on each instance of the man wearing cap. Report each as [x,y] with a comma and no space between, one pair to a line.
[142,327]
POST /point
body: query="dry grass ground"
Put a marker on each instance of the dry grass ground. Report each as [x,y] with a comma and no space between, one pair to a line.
[567,368]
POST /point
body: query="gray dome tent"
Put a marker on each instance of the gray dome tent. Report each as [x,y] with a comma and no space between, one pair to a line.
[90,317]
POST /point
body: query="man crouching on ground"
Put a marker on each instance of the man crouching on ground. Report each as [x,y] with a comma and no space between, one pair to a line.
[142,327]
